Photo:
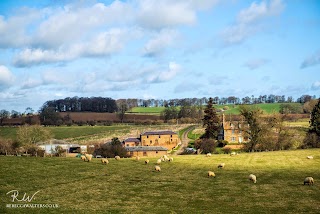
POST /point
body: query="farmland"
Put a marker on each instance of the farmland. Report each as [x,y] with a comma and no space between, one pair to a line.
[129,186]
[83,134]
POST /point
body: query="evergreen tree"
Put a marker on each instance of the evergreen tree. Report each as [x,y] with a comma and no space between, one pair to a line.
[211,122]
[315,119]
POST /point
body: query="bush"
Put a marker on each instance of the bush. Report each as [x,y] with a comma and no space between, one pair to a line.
[222,143]
[227,150]
[226,108]
[205,145]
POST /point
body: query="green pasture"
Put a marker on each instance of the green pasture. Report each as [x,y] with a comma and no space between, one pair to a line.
[182,186]
[232,109]
[83,133]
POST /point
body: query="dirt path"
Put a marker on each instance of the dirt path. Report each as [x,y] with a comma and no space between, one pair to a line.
[184,141]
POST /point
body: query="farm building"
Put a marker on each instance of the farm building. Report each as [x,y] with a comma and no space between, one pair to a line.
[147,151]
[167,139]
[152,143]
[231,131]
[69,148]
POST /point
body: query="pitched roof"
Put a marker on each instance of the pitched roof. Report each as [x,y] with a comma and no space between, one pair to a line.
[145,148]
[131,139]
[159,133]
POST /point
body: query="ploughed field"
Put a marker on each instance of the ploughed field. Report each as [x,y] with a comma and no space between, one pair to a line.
[182,186]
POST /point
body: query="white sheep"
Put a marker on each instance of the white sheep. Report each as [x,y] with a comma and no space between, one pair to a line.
[146,161]
[88,157]
[308,180]
[310,157]
[221,165]
[117,157]
[211,174]
[104,161]
[233,153]
[157,168]
[208,154]
[171,159]
[83,157]
[159,161]
[253,178]
[137,158]
[165,158]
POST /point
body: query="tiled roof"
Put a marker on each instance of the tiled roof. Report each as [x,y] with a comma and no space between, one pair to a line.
[159,133]
[145,148]
[132,140]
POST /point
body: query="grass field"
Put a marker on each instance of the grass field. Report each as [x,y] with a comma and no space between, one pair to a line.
[81,134]
[182,186]
[233,109]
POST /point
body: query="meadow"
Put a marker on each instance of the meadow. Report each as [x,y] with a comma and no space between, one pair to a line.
[182,186]
[83,134]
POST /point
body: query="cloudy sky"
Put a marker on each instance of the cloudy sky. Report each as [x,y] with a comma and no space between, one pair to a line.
[162,49]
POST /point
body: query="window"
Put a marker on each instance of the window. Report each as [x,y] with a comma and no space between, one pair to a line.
[144,153]
[150,141]
[159,136]
[156,141]
[131,153]
[233,139]
[232,131]
[147,136]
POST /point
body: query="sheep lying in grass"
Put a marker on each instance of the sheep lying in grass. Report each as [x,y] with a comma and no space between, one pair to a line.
[137,158]
[159,161]
[117,157]
[308,180]
[146,161]
[208,154]
[104,161]
[171,159]
[83,157]
[233,153]
[253,178]
[157,168]
[310,157]
[211,174]
[88,157]
[221,165]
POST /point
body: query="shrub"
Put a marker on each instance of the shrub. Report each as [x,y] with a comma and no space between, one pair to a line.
[226,108]
[222,143]
[205,145]
[227,150]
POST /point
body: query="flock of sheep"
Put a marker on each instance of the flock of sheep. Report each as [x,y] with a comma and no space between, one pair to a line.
[165,158]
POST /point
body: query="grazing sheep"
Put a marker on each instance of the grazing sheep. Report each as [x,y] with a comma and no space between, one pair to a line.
[208,154]
[211,174]
[83,157]
[308,180]
[157,168]
[253,178]
[104,161]
[233,153]
[117,157]
[137,158]
[165,158]
[146,161]
[88,157]
[221,165]
[310,157]
[171,159]
[159,161]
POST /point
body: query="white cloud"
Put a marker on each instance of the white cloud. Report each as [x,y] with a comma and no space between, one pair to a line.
[103,44]
[31,83]
[311,61]
[255,63]
[247,22]
[6,77]
[164,76]
[316,85]
[161,41]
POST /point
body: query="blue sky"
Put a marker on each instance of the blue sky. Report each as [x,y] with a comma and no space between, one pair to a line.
[160,49]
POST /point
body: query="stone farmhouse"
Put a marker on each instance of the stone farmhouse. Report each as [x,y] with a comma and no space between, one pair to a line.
[231,131]
[152,143]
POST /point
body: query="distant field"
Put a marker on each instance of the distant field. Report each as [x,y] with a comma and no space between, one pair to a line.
[82,134]
[182,186]
[233,109]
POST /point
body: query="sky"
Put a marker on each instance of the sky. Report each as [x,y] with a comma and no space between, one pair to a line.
[156,49]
